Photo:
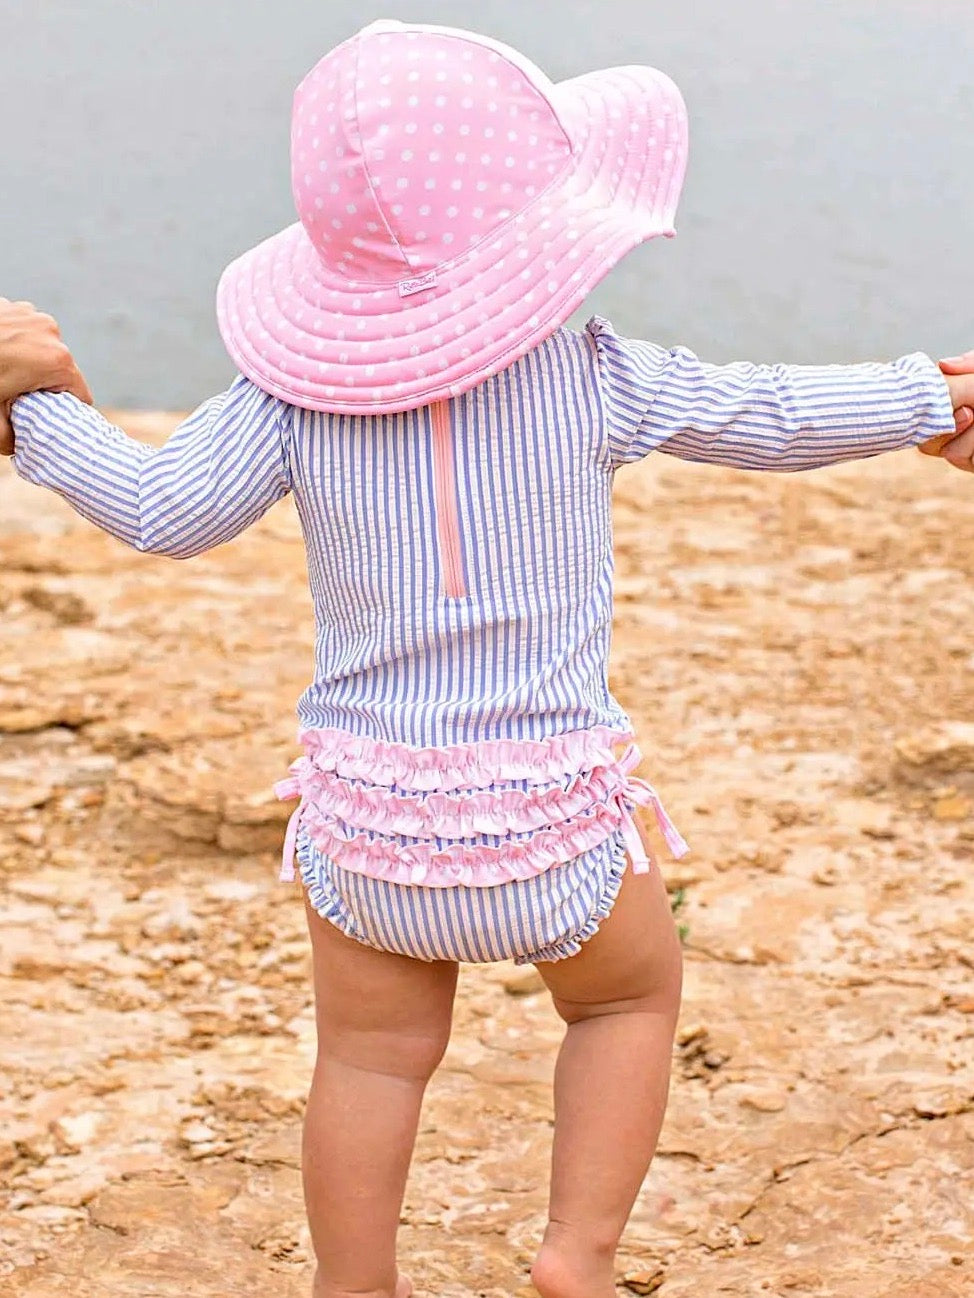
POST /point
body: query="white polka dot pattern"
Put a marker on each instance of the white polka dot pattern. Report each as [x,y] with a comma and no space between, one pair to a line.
[455,207]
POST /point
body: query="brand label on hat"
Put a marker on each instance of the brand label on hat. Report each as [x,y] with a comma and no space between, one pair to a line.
[407,287]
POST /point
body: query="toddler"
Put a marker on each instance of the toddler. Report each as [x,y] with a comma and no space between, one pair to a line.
[467,788]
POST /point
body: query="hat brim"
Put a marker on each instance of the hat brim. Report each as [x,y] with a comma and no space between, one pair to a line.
[323,342]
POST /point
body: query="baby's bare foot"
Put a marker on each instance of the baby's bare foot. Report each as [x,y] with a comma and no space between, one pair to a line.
[555,1275]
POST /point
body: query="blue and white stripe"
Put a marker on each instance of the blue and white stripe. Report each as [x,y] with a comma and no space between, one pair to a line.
[219,472]
[546,917]
[525,654]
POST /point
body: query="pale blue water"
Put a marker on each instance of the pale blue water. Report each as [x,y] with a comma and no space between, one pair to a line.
[827,214]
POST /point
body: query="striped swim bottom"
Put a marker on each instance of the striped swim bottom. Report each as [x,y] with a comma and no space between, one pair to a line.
[545,917]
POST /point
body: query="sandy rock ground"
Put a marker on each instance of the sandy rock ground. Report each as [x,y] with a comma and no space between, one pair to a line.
[799,654]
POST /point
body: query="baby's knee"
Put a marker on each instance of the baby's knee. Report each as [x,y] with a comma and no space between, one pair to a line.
[653,986]
[412,1056]
[426,1053]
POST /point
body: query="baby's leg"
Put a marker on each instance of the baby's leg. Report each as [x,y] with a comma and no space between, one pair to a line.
[383,1024]
[620,998]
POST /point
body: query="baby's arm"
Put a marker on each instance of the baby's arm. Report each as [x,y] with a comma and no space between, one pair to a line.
[778,417]
[218,473]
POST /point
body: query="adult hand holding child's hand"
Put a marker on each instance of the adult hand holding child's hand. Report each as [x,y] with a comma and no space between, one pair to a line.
[957,448]
[32,357]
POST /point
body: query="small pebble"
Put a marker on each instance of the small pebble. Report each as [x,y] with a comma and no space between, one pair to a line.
[644,1282]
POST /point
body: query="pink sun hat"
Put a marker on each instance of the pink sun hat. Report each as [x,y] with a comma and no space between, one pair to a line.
[456,206]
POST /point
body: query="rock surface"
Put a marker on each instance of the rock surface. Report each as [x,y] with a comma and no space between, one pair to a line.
[797,654]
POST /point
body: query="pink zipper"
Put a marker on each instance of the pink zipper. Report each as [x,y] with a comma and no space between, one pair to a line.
[447,505]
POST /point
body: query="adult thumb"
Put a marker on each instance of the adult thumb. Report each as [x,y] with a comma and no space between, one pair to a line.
[958,364]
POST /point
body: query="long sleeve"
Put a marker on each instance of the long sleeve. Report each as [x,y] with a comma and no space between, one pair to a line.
[774,417]
[219,472]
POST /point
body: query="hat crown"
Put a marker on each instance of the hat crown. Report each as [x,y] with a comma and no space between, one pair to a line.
[411,144]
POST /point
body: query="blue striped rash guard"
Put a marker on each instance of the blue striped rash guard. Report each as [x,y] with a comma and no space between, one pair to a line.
[460,558]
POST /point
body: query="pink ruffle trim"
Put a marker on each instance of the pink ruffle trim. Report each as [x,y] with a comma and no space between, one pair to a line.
[451,815]
[476,866]
[562,821]
[463,766]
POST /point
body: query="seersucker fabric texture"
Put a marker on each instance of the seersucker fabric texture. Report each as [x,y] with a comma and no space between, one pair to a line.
[455,207]
[546,917]
[431,714]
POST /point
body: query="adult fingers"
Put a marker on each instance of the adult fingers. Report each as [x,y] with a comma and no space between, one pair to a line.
[958,364]
[963,422]
[61,374]
[6,430]
[79,388]
[934,445]
[959,451]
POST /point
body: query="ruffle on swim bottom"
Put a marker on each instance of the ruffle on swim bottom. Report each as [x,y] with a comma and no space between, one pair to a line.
[409,820]
[462,766]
